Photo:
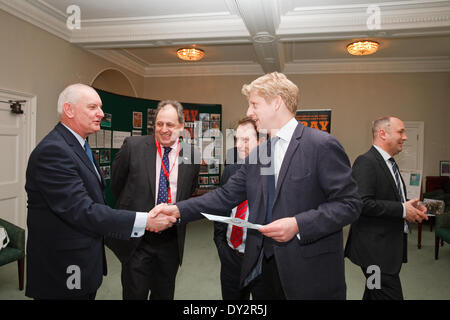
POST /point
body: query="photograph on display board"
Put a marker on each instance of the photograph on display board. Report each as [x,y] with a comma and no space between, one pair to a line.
[151,118]
[204,116]
[203,180]
[214,179]
[105,156]
[213,167]
[215,125]
[97,155]
[106,172]
[215,117]
[137,120]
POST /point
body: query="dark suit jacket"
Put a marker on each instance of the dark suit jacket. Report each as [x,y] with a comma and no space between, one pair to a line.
[314,186]
[133,184]
[67,218]
[376,238]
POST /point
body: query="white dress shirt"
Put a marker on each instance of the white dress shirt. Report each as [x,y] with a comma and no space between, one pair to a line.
[281,146]
[284,135]
[386,156]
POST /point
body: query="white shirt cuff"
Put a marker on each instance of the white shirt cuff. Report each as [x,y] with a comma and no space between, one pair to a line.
[140,223]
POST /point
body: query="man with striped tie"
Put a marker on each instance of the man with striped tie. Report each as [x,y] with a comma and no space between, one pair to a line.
[229,239]
[378,239]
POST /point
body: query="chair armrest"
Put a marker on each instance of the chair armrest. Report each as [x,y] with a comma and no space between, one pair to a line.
[16,235]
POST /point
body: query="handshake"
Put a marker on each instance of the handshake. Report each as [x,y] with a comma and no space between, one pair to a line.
[164,215]
[161,217]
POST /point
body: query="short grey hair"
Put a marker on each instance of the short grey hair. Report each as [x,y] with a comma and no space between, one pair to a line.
[175,104]
[381,123]
[71,94]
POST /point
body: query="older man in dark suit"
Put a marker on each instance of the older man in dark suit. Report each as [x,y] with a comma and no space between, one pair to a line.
[67,215]
[149,170]
[304,193]
[378,238]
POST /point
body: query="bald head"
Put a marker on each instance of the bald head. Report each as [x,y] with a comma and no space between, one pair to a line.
[381,123]
[80,108]
[389,134]
[72,94]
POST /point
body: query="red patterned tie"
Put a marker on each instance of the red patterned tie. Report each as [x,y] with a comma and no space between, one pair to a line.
[237,232]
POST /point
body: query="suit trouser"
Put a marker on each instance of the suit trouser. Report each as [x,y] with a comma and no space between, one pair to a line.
[153,267]
[391,287]
[267,286]
[230,272]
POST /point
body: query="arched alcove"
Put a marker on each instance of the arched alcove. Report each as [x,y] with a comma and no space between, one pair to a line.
[115,81]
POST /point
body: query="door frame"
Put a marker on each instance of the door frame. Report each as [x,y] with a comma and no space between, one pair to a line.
[30,110]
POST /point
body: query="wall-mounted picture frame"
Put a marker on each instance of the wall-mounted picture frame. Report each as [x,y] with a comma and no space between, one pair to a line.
[444,168]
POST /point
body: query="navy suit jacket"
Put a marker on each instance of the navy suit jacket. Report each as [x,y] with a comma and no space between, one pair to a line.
[67,219]
[314,186]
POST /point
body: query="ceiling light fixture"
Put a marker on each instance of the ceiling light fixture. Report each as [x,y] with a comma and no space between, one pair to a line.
[190,54]
[362,48]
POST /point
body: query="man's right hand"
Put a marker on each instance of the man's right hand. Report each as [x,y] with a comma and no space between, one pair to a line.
[161,217]
[166,209]
[415,212]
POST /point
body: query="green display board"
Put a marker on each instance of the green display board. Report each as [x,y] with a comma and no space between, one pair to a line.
[127,116]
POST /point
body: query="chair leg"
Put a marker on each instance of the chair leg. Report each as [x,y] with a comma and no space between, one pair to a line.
[419,235]
[436,248]
[20,265]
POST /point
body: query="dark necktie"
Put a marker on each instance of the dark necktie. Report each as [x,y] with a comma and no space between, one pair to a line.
[163,191]
[397,178]
[268,242]
[399,187]
[271,181]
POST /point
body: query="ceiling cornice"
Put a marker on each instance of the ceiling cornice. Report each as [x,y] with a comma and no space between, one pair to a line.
[372,65]
[262,23]
[39,16]
[313,66]
[412,17]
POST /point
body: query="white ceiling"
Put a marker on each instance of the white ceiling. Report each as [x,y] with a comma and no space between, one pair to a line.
[251,36]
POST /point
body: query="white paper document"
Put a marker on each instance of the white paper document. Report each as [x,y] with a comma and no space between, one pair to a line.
[234,221]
